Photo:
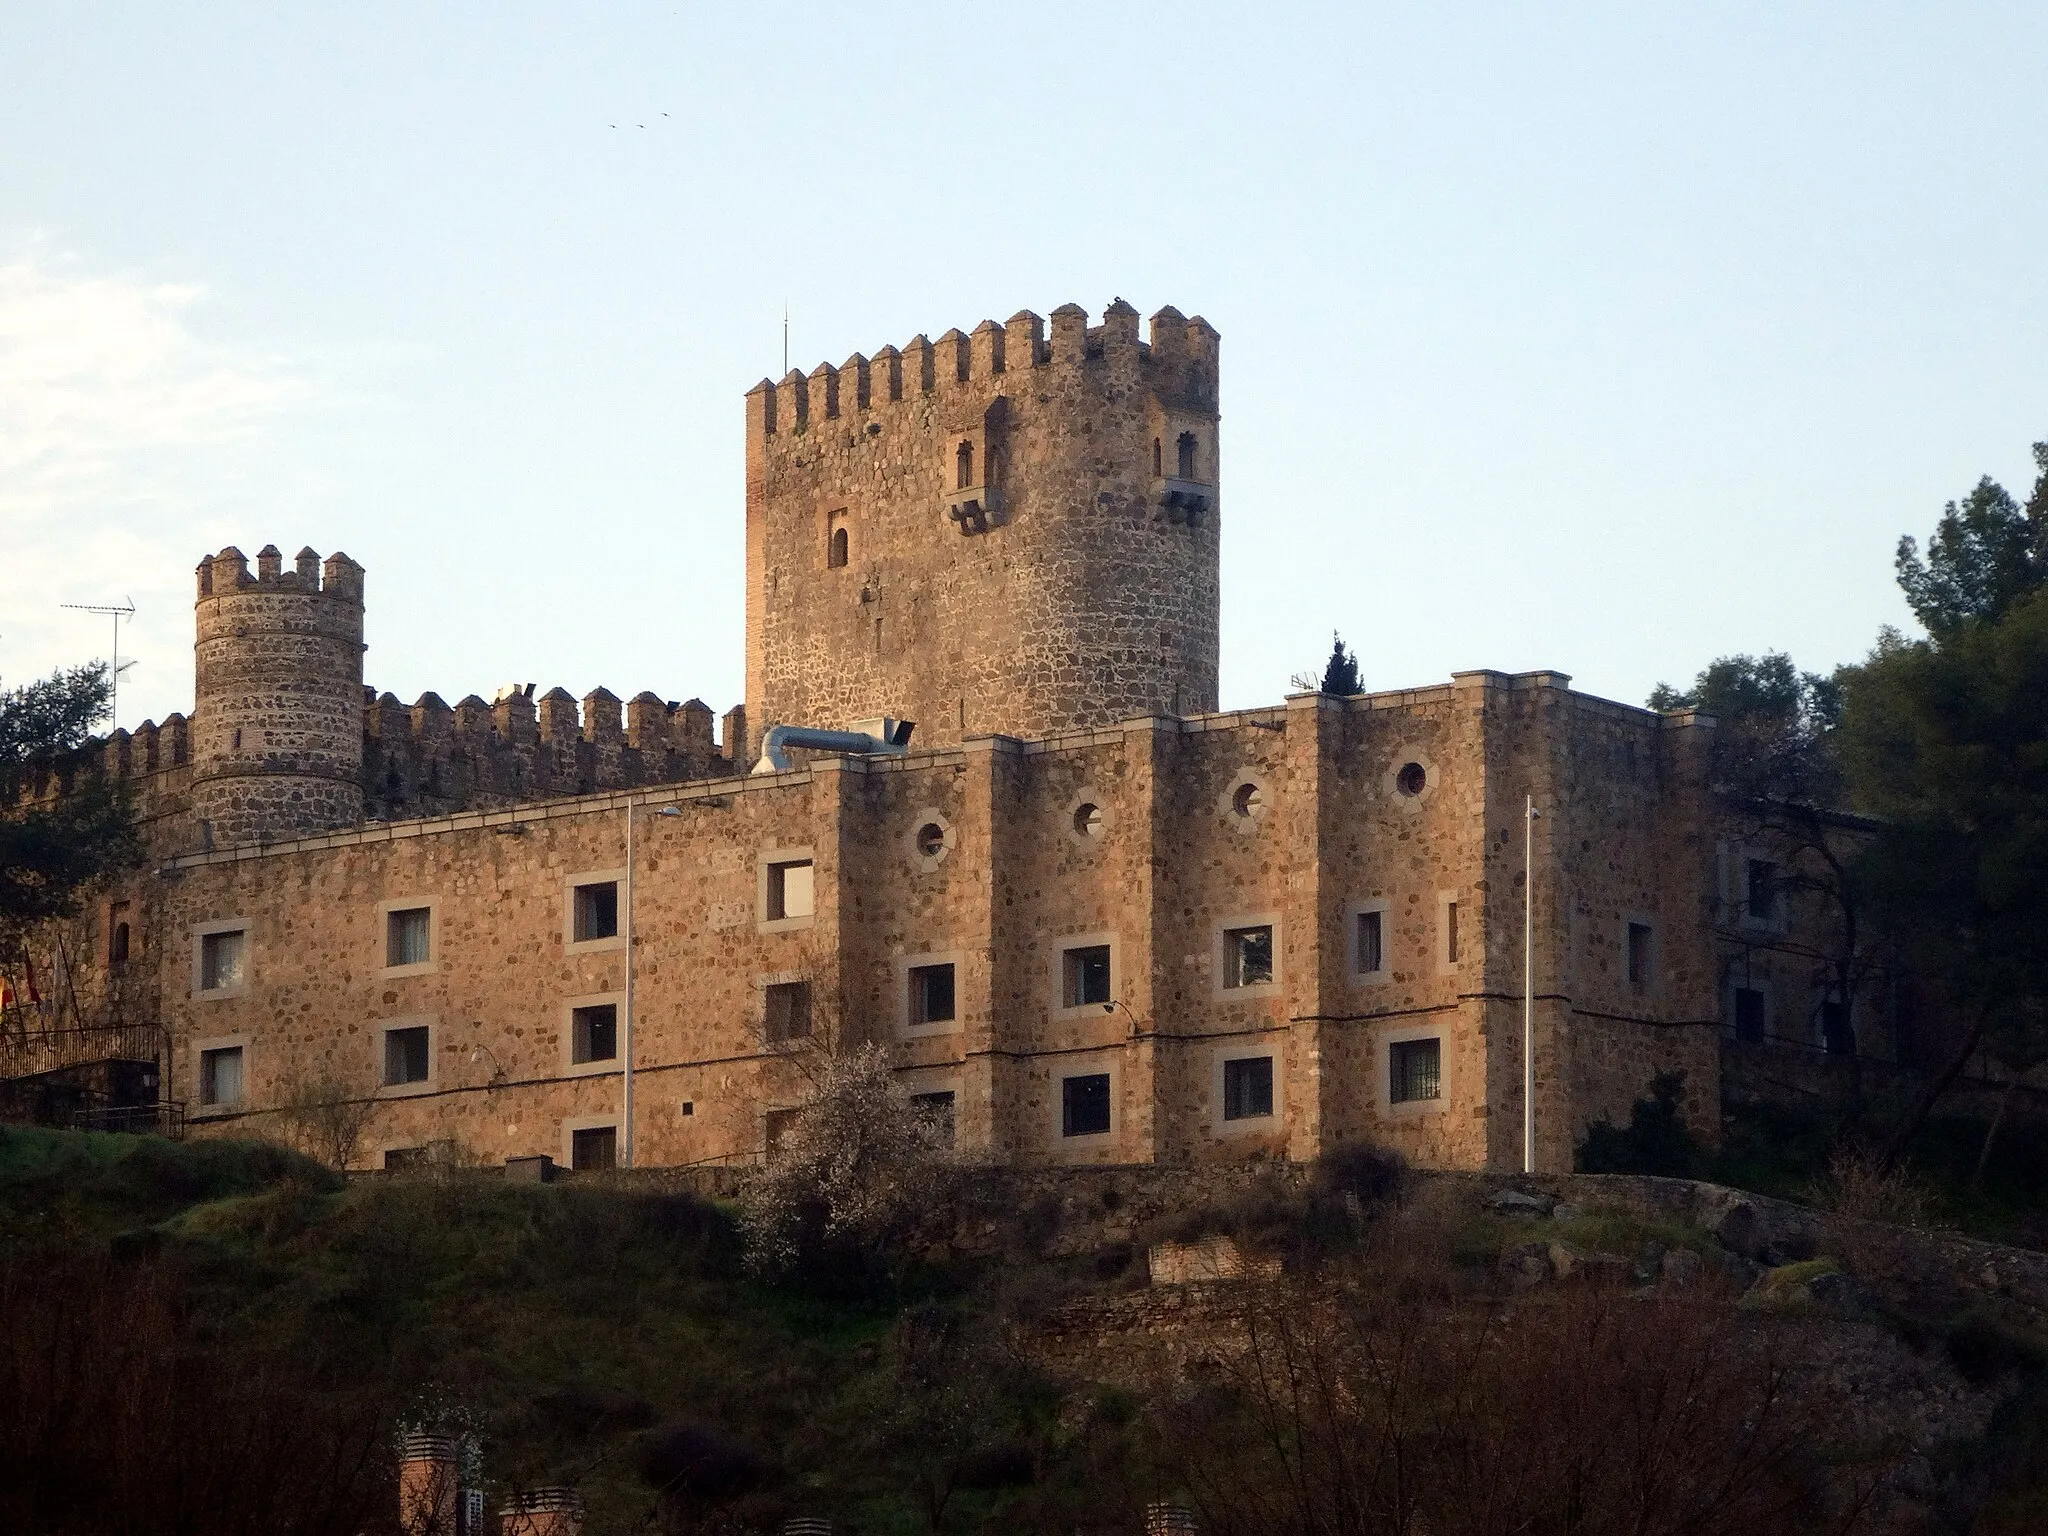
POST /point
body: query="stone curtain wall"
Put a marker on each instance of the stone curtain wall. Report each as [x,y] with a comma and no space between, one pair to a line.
[1072,586]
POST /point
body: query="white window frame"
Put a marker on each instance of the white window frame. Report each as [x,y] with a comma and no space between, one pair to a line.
[570,1067]
[577,1123]
[1247,1050]
[764,863]
[1083,1148]
[1058,999]
[431,1081]
[570,944]
[1219,959]
[432,906]
[957,958]
[200,933]
[1383,1067]
[1352,912]
[199,1108]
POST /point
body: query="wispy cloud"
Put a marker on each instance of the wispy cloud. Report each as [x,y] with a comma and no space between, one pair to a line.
[127,436]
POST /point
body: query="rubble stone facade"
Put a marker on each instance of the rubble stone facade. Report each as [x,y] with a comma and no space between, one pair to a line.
[1094,920]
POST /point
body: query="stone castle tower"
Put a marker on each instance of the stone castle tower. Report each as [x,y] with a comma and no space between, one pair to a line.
[277,722]
[990,533]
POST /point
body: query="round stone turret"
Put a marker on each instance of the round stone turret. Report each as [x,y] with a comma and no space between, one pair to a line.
[277,730]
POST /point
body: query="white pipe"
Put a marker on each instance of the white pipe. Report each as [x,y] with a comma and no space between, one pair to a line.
[892,739]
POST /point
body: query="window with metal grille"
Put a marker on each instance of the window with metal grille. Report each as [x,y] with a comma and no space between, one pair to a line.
[594,1033]
[1248,956]
[408,937]
[1372,939]
[220,1076]
[597,911]
[1248,1088]
[787,1014]
[1084,975]
[1084,1105]
[1416,1069]
[931,994]
[406,1056]
[221,960]
[595,1149]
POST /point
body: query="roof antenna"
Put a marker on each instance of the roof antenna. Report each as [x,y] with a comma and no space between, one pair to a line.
[785,338]
[115,669]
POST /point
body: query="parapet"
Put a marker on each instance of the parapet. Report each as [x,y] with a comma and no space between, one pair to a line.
[227,574]
[1180,356]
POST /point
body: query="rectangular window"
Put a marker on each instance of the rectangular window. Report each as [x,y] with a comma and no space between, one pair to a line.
[406,1058]
[790,890]
[1084,978]
[117,933]
[1372,953]
[1639,955]
[595,1149]
[937,1111]
[404,1159]
[1834,1029]
[1749,1014]
[931,994]
[594,1033]
[788,1011]
[221,960]
[1416,1069]
[776,1126]
[1761,880]
[1084,1105]
[1248,957]
[220,1076]
[408,937]
[1450,933]
[1248,1088]
[597,911]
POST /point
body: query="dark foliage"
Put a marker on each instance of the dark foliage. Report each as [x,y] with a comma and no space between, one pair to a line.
[1340,672]
[1986,554]
[1655,1140]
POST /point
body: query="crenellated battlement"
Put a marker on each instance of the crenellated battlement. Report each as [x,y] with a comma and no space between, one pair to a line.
[227,574]
[1179,359]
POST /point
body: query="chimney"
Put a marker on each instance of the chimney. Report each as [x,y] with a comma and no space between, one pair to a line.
[542,1512]
[426,1484]
[1165,1518]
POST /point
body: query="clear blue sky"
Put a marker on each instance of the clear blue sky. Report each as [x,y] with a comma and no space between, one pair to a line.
[1603,338]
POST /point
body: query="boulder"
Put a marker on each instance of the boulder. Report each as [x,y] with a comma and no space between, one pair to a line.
[1514,1202]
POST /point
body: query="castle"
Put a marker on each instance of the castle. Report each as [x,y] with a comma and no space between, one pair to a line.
[1093,919]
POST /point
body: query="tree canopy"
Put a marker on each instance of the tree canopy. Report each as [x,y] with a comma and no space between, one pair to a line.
[49,853]
[1986,554]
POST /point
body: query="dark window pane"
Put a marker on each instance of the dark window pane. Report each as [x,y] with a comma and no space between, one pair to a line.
[788,1011]
[597,911]
[931,994]
[1763,890]
[1248,1088]
[937,1108]
[595,1149]
[1371,955]
[407,937]
[1248,957]
[594,1033]
[1639,954]
[1087,975]
[1084,1105]
[405,1056]
[1749,1014]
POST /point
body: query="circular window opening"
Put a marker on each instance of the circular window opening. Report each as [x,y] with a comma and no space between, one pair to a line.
[1246,800]
[1088,819]
[931,839]
[1412,779]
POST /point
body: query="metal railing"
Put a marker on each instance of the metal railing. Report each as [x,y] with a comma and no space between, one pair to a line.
[26,1050]
[165,1119]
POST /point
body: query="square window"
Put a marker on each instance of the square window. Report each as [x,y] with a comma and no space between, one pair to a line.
[1084,979]
[791,891]
[776,1127]
[1639,955]
[1761,890]
[931,994]
[1415,1070]
[594,1033]
[406,1056]
[936,1109]
[1248,956]
[788,1011]
[597,911]
[594,1150]
[1749,1013]
[1372,952]
[1248,1088]
[220,1076]
[221,960]
[408,937]
[1084,1105]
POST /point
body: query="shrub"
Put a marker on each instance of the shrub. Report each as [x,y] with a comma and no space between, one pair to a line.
[1655,1141]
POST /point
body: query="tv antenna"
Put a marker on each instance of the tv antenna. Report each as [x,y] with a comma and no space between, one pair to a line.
[115,669]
